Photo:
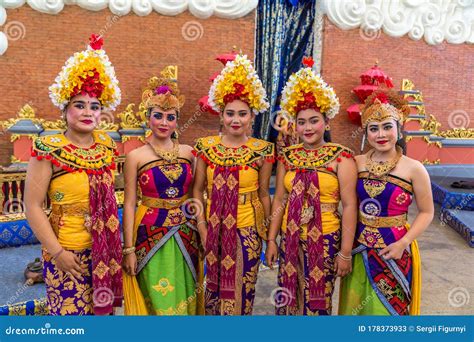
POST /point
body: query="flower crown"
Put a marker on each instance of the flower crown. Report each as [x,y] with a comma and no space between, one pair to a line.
[87,72]
[238,81]
[384,104]
[306,90]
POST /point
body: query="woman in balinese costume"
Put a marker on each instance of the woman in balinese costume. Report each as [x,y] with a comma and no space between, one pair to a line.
[160,238]
[234,169]
[386,278]
[82,253]
[312,178]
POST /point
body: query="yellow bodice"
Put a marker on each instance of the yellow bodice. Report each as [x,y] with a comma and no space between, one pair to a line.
[296,158]
[69,195]
[69,188]
[248,182]
[245,159]
[329,194]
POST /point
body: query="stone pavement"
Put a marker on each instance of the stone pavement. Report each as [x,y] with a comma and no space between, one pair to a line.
[447,274]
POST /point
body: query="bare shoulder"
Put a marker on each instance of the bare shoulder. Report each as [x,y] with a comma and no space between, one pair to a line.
[414,168]
[35,165]
[412,164]
[134,155]
[185,148]
[360,161]
[186,151]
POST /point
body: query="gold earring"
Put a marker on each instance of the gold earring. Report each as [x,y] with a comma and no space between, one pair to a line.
[328,128]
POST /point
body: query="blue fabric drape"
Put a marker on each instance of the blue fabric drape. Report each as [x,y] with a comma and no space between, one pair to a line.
[284,36]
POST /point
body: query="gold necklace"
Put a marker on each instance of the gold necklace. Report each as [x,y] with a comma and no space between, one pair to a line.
[169,156]
[379,170]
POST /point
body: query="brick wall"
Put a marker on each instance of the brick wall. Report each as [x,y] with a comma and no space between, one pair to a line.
[444,73]
[138,47]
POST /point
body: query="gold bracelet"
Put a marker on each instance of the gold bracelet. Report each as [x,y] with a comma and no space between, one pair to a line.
[53,257]
[197,224]
[128,250]
[343,257]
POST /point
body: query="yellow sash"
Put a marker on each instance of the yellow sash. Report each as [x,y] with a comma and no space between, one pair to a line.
[416,280]
[132,295]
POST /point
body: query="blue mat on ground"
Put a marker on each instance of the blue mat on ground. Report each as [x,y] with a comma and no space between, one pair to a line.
[451,198]
[460,220]
[13,262]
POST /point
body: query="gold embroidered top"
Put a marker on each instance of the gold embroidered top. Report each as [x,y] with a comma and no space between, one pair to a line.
[210,149]
[69,190]
[214,153]
[71,158]
[297,157]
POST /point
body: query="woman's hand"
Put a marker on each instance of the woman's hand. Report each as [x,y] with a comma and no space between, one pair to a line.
[395,250]
[342,267]
[129,263]
[271,253]
[203,235]
[69,263]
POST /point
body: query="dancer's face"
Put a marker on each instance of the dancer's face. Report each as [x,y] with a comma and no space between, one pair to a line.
[83,113]
[163,122]
[383,135]
[237,118]
[310,126]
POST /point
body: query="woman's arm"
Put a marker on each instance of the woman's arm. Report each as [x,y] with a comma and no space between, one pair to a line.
[347,176]
[130,198]
[198,194]
[279,203]
[276,217]
[264,188]
[129,207]
[38,177]
[424,202]
[189,155]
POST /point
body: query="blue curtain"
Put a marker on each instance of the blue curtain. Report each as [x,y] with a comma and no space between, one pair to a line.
[284,36]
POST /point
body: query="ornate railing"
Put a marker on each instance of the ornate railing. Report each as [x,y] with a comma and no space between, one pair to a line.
[12,194]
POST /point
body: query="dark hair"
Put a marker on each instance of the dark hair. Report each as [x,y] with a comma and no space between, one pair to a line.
[327,136]
[401,142]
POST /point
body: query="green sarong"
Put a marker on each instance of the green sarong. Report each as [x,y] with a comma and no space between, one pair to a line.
[167,283]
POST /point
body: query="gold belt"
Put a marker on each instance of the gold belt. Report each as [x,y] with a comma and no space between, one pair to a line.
[73,209]
[380,222]
[170,203]
[329,207]
[248,197]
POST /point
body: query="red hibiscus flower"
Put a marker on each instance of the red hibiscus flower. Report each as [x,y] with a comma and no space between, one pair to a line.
[96,42]
[308,61]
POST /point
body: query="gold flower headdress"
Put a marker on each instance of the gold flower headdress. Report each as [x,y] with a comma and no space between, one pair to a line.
[305,89]
[384,104]
[87,72]
[238,80]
